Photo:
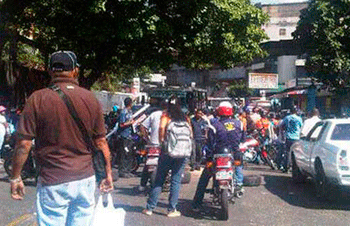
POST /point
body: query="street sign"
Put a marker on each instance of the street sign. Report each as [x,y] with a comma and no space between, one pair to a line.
[263,81]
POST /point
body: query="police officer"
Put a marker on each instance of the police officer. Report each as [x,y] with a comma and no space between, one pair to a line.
[228,133]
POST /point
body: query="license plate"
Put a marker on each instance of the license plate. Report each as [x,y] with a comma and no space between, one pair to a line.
[224,175]
[151,161]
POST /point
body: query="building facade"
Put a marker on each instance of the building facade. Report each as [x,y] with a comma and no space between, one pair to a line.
[283,20]
[284,55]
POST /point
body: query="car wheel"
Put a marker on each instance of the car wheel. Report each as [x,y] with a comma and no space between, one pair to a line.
[297,176]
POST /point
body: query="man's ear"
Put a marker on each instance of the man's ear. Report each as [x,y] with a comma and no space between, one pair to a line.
[76,72]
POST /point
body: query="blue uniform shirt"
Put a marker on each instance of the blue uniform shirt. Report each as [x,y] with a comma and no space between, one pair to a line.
[229,133]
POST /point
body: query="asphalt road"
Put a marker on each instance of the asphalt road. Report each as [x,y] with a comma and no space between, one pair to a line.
[277,201]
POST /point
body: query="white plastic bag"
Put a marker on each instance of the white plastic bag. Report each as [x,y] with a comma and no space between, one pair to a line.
[108,216]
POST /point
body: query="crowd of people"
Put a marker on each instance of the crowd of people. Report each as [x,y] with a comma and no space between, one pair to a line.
[8,123]
[65,158]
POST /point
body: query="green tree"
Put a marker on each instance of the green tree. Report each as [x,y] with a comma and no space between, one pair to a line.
[324,35]
[119,38]
[239,88]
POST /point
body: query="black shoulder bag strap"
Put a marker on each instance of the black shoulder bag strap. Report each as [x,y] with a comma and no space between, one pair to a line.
[98,157]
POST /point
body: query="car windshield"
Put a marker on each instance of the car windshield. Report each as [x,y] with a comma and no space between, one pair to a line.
[341,132]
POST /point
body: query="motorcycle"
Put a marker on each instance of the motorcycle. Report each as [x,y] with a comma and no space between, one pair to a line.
[256,148]
[224,186]
[136,150]
[250,149]
[150,169]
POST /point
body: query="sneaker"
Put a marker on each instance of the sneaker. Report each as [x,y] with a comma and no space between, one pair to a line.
[174,213]
[147,212]
[141,188]
[239,191]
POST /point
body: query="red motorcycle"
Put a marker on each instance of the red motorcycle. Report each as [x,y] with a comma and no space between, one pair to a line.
[152,153]
[258,147]
[250,149]
[223,189]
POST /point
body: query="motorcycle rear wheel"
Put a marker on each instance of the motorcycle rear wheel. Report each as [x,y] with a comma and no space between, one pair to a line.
[224,204]
[135,164]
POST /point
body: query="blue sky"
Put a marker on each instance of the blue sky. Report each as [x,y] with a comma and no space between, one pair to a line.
[276,1]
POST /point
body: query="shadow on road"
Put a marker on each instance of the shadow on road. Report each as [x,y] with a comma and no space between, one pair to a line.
[208,212]
[303,195]
[129,208]
[259,168]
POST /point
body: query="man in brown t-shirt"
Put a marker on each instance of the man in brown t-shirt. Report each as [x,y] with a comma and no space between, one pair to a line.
[66,184]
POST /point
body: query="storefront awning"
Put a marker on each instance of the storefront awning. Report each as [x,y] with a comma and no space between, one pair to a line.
[297,92]
[289,93]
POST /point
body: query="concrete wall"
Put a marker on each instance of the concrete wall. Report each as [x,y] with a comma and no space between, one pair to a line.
[227,75]
[184,77]
[274,27]
[203,78]
[286,68]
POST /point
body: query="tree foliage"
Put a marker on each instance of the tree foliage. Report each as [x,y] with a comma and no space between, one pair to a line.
[324,34]
[119,38]
[239,88]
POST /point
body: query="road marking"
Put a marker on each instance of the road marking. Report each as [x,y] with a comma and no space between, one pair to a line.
[21,219]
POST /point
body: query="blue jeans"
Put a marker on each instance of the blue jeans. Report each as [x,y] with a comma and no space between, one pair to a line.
[71,203]
[239,175]
[286,157]
[177,167]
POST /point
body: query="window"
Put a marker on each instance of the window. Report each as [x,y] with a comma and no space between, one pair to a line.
[341,132]
[316,132]
[283,32]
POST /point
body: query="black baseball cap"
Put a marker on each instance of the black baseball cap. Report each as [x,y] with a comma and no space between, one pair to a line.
[127,101]
[63,61]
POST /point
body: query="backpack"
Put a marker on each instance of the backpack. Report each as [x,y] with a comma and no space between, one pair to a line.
[178,139]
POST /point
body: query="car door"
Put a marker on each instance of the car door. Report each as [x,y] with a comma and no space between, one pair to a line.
[314,138]
[302,156]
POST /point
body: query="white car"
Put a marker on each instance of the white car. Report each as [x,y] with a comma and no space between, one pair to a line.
[324,155]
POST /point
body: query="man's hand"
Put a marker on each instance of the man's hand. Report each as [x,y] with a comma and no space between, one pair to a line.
[22,150]
[106,185]
[131,121]
[17,189]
